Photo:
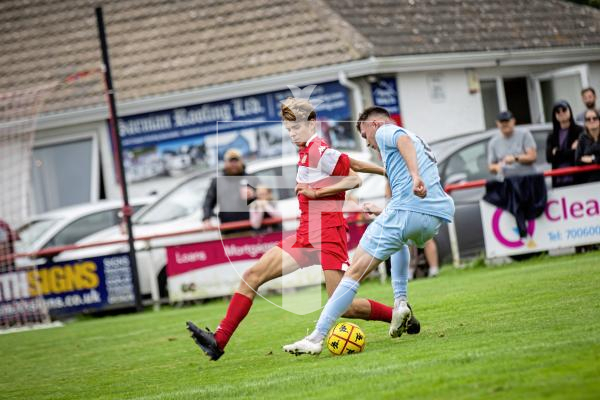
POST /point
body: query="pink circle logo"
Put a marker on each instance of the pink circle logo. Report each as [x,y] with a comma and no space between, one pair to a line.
[500,237]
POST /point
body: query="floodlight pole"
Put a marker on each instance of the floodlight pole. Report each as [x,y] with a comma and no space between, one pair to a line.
[118,151]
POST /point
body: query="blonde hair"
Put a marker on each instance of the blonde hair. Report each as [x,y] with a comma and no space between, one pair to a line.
[294,109]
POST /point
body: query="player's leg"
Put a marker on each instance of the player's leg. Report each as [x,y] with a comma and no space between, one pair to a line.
[340,301]
[377,244]
[401,313]
[334,261]
[400,270]
[360,308]
[273,264]
[416,228]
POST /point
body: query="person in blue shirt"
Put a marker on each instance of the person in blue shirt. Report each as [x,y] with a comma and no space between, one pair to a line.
[414,215]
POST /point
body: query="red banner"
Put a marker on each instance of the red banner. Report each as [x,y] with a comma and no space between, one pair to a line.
[189,257]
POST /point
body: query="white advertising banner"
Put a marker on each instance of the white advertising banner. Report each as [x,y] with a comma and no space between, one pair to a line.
[571,218]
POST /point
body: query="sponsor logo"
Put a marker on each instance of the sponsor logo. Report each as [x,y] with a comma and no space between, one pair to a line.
[250,250]
[500,237]
[191,257]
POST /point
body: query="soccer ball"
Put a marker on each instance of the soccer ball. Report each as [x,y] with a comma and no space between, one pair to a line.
[346,338]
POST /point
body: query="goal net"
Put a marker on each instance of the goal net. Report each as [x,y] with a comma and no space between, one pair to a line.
[20,304]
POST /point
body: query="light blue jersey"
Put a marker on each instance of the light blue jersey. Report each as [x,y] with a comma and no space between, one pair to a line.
[437,202]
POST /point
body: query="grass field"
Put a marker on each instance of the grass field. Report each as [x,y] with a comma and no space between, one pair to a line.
[521,331]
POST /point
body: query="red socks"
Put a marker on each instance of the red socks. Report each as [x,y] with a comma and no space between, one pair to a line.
[240,306]
[236,312]
[380,312]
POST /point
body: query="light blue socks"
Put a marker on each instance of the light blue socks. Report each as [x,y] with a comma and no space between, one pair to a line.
[400,262]
[340,301]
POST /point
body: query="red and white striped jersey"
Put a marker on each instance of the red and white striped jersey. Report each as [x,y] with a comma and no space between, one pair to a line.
[317,164]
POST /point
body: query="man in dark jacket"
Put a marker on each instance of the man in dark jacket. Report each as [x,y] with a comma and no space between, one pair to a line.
[562,142]
[232,193]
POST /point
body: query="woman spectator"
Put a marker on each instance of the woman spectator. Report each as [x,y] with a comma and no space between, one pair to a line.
[588,148]
[562,142]
[263,207]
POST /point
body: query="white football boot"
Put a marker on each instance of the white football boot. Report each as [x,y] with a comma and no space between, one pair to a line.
[400,317]
[304,346]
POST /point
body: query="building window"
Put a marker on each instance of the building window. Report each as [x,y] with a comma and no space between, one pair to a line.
[61,174]
[489,97]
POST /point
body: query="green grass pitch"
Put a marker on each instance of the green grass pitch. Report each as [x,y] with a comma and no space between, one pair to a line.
[526,330]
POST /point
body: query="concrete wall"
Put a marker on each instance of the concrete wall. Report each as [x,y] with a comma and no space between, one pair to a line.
[436,105]
[594,78]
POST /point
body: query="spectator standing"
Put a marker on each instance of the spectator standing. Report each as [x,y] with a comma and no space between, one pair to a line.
[588,96]
[513,150]
[588,147]
[232,194]
[264,207]
[562,142]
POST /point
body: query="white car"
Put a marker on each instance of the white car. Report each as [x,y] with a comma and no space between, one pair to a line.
[180,210]
[67,225]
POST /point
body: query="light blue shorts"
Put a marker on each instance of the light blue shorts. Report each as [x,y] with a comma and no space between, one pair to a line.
[394,228]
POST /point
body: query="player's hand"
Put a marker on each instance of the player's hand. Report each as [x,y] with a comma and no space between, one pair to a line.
[307,192]
[587,159]
[371,208]
[299,187]
[419,188]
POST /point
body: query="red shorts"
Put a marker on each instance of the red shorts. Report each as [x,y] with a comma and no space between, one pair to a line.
[326,247]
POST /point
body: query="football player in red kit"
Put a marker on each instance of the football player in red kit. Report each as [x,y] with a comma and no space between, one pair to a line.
[324,174]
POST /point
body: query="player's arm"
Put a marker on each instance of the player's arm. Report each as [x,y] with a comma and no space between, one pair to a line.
[408,152]
[344,183]
[365,166]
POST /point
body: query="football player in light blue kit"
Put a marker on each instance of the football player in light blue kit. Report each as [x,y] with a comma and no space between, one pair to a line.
[414,215]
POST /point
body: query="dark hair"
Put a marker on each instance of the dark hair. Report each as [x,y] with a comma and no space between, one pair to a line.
[369,112]
[588,89]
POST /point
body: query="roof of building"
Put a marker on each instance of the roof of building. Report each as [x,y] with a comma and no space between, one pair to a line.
[159,47]
[411,27]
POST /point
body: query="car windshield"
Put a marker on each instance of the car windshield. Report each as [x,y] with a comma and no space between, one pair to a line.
[32,231]
[183,201]
[442,148]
